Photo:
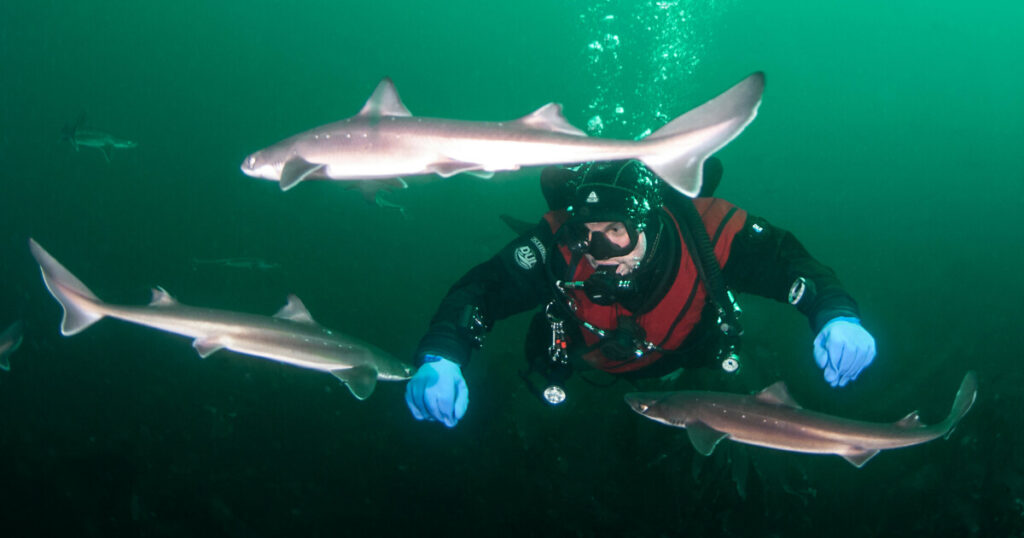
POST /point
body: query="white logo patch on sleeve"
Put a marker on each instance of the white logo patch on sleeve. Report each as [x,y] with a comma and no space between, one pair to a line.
[525,257]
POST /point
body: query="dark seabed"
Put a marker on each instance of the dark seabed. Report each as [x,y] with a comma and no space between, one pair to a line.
[889,141]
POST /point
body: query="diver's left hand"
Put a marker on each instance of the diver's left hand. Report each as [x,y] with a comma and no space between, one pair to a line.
[843,349]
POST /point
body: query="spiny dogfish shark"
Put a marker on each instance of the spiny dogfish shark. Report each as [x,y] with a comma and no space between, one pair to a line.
[79,136]
[10,340]
[254,264]
[773,419]
[291,336]
[384,140]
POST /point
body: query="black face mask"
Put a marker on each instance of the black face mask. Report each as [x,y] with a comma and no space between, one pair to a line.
[581,240]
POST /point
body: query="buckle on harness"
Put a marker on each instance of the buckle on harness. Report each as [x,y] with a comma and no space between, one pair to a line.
[471,323]
[729,320]
[558,350]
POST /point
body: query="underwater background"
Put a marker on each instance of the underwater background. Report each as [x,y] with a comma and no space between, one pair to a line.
[889,141]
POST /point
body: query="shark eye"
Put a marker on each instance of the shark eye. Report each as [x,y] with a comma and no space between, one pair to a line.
[252,162]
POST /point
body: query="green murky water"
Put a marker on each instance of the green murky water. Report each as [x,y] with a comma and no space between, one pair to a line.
[888,140]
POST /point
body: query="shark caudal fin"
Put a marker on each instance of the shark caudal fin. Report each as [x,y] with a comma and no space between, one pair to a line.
[10,340]
[81,307]
[678,150]
[962,403]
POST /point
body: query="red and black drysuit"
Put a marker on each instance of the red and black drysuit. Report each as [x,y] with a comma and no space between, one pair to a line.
[671,305]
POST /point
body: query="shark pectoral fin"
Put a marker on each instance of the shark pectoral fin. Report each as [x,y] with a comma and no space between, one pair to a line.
[106,151]
[208,345]
[450,168]
[858,459]
[549,118]
[704,437]
[296,170]
[482,174]
[294,310]
[361,380]
[5,362]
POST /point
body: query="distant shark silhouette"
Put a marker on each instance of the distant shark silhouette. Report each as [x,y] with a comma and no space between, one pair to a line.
[79,136]
[10,340]
[257,264]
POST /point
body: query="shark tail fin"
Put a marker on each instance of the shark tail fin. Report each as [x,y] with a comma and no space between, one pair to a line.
[81,307]
[678,150]
[10,339]
[962,403]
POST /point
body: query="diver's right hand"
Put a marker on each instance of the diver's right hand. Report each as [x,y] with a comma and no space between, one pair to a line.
[438,392]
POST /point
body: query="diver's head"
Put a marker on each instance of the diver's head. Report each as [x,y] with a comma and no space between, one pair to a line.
[610,206]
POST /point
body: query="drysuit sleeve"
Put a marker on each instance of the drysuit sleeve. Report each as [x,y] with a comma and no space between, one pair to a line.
[769,261]
[513,281]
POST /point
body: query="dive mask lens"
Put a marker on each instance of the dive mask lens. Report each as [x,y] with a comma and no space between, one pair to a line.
[602,248]
[577,239]
[580,240]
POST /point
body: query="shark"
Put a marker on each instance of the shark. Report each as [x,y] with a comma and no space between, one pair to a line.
[79,136]
[255,264]
[384,140]
[373,192]
[290,336]
[10,340]
[380,201]
[772,419]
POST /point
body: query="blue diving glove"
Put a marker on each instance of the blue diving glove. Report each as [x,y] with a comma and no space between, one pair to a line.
[843,349]
[438,392]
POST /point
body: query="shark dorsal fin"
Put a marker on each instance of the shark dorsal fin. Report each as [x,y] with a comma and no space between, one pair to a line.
[549,118]
[294,310]
[777,394]
[162,298]
[911,421]
[385,101]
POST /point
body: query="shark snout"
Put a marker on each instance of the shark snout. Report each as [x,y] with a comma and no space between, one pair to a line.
[258,166]
[638,402]
[249,165]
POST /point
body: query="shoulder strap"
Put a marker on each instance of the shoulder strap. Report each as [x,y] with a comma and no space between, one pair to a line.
[695,235]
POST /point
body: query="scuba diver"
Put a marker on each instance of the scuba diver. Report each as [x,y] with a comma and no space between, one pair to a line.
[635,279]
